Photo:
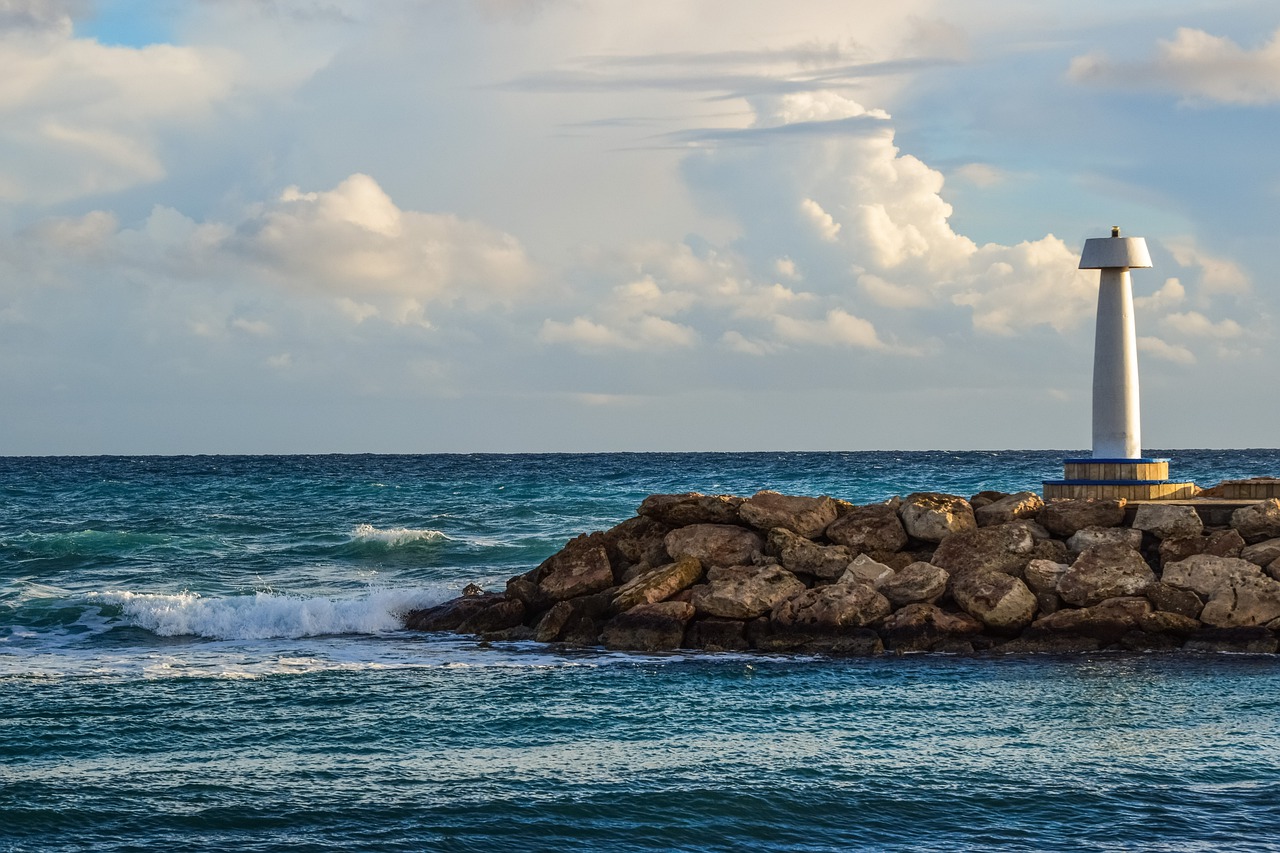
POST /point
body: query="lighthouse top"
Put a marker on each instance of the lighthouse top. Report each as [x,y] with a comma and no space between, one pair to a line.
[1114,252]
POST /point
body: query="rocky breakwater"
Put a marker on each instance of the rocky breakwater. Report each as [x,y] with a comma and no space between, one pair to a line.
[929,572]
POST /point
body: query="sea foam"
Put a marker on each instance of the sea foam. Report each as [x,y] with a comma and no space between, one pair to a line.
[267,615]
[393,536]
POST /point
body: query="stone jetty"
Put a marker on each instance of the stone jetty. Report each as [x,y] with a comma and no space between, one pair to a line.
[932,572]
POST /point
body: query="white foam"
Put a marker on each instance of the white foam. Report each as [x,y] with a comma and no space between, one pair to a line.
[395,535]
[266,615]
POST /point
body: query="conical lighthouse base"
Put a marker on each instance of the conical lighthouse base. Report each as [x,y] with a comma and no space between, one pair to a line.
[1139,479]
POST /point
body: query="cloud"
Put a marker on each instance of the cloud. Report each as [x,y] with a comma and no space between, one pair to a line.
[1196,325]
[1218,275]
[1158,348]
[838,328]
[1194,65]
[981,174]
[641,333]
[1170,295]
[828,229]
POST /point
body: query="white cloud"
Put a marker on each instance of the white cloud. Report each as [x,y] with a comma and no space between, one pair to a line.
[888,295]
[1170,295]
[828,229]
[1194,65]
[838,328]
[642,333]
[1196,325]
[1218,275]
[1160,349]
[981,174]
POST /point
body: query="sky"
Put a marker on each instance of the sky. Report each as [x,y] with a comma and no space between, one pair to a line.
[312,226]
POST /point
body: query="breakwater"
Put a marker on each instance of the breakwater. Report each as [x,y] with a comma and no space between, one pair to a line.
[931,572]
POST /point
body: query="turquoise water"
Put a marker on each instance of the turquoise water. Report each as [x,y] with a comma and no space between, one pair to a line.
[205,653]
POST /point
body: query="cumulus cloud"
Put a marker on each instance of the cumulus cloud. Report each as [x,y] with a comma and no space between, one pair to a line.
[826,227]
[1193,324]
[1158,348]
[837,328]
[639,333]
[1170,295]
[1194,65]
[1218,275]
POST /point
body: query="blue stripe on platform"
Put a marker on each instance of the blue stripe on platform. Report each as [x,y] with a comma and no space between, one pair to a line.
[1117,482]
[1138,461]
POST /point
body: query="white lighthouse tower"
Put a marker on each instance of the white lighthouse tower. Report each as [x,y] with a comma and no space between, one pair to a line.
[1117,468]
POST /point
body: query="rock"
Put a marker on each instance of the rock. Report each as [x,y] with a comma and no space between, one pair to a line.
[917,583]
[658,584]
[1165,622]
[1206,574]
[1222,543]
[997,600]
[1050,643]
[1006,549]
[1259,521]
[1042,576]
[648,627]
[576,621]
[1262,553]
[714,544]
[717,635]
[830,609]
[1107,621]
[1244,603]
[468,614]
[932,516]
[745,592]
[869,528]
[579,569]
[804,556]
[808,517]
[985,498]
[524,588]
[1238,640]
[863,569]
[1108,571]
[1064,517]
[1225,543]
[1168,520]
[691,508]
[1091,537]
[1052,550]
[1171,599]
[642,540]
[1009,508]
[1273,569]
[861,642]
[1048,602]
[922,627]
[553,622]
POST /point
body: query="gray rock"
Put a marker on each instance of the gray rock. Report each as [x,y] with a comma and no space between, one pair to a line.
[999,601]
[714,544]
[1006,549]
[808,517]
[869,528]
[1171,599]
[1245,603]
[1108,571]
[830,609]
[579,569]
[1091,537]
[917,583]
[1042,576]
[1259,521]
[744,592]
[1009,508]
[1168,520]
[932,516]
[1206,574]
[657,584]
[1262,553]
[804,556]
[648,627]
[863,569]
[1065,517]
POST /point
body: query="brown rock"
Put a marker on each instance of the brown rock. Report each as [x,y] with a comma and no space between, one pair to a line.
[1273,569]
[579,569]
[745,592]
[641,540]
[1225,543]
[1052,550]
[1108,571]
[859,642]
[1006,549]
[1171,599]
[1206,574]
[717,635]
[454,614]
[1165,622]
[1107,621]
[985,498]
[691,508]
[1238,640]
[1168,520]
[1008,508]
[648,627]
[658,584]
[999,601]
[932,516]
[917,583]
[1259,521]
[863,569]
[1262,553]
[808,517]
[1091,537]
[804,556]
[1042,576]
[869,528]
[1245,603]
[830,609]
[714,544]
[922,627]
[1064,517]
[576,621]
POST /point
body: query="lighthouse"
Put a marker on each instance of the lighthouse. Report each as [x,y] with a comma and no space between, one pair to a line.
[1117,468]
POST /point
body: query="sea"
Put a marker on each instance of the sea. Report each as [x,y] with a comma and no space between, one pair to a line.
[207,653]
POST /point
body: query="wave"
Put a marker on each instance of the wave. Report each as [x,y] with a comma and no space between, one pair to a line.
[395,536]
[267,615]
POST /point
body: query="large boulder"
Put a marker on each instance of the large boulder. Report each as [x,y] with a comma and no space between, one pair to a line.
[576,621]
[1259,521]
[657,584]
[1166,521]
[744,592]
[714,544]
[997,600]
[1106,621]
[691,508]
[1006,548]
[808,517]
[920,627]
[581,568]
[917,583]
[1108,571]
[469,614]
[865,569]
[869,528]
[1245,603]
[1220,543]
[640,541]
[1262,553]
[804,556]
[717,635]
[1042,576]
[1065,516]
[830,609]
[1205,574]
[1091,537]
[933,516]
[1009,508]
[1167,598]
[648,627]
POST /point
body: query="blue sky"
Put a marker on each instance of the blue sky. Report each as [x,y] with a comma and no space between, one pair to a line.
[524,225]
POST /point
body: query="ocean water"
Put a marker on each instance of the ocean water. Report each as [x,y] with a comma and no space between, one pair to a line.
[206,653]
